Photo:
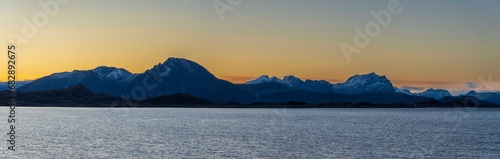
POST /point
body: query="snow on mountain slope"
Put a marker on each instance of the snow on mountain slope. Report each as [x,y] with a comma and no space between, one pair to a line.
[108,80]
[435,93]
[265,79]
[486,96]
[182,76]
[431,93]
[404,91]
[117,74]
[292,81]
[367,83]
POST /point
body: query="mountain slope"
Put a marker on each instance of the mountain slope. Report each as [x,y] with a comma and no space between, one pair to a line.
[266,87]
[358,84]
[367,83]
[5,85]
[435,93]
[265,79]
[77,95]
[182,76]
[493,97]
[290,81]
[108,80]
[119,75]
[320,86]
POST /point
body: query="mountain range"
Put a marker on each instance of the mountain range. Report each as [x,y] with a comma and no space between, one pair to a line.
[358,84]
[182,76]
[432,93]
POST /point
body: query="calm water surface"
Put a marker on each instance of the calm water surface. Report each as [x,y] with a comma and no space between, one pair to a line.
[254,133]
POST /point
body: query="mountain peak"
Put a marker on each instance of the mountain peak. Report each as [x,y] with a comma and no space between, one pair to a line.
[79,90]
[366,78]
[104,67]
[291,77]
[179,75]
[177,60]
[486,96]
[265,79]
[117,74]
[435,93]
[365,83]
[182,64]
[372,74]
[316,81]
[473,92]
[104,70]
[292,81]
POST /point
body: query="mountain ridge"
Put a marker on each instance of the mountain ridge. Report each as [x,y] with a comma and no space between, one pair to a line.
[80,96]
[183,76]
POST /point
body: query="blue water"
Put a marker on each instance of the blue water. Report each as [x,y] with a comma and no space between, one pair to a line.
[254,133]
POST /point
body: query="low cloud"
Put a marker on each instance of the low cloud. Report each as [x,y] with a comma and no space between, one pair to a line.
[471,85]
[411,88]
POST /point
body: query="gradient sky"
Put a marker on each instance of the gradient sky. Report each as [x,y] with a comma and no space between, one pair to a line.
[449,44]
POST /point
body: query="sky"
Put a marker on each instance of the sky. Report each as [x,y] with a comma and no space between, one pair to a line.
[451,44]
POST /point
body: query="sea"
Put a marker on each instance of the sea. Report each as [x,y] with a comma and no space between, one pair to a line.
[53,132]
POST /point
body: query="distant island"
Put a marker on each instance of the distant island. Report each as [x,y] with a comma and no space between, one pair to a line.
[183,83]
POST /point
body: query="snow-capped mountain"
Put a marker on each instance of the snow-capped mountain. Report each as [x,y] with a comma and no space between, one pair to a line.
[290,81]
[486,96]
[431,93]
[178,75]
[182,76]
[117,74]
[367,83]
[404,91]
[265,79]
[359,84]
[108,80]
[434,93]
[294,82]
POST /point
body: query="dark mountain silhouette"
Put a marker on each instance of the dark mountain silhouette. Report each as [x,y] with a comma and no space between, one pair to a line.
[77,95]
[181,76]
[81,96]
[176,99]
[358,84]
[466,101]
[367,83]
[266,87]
[108,80]
[163,83]
[487,96]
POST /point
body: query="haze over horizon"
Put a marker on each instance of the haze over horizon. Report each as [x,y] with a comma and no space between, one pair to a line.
[439,44]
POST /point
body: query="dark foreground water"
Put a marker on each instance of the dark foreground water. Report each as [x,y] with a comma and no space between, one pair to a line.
[254,133]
